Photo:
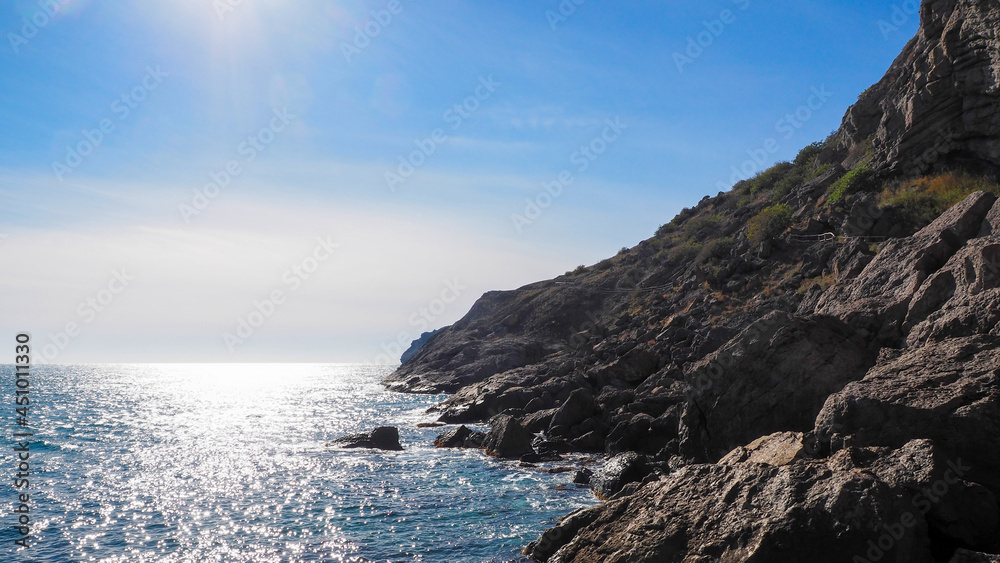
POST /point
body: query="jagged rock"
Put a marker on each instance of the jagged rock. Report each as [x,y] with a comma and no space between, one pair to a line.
[991,225]
[878,299]
[780,448]
[945,391]
[507,438]
[539,421]
[617,472]
[578,406]
[592,441]
[475,440]
[850,259]
[629,432]
[938,105]
[417,345]
[966,556]
[774,376]
[958,511]
[554,538]
[382,438]
[582,477]
[534,457]
[960,299]
[454,438]
[822,510]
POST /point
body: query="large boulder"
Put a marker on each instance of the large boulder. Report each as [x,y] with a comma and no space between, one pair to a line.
[772,377]
[960,299]
[617,472]
[382,438]
[958,511]
[579,406]
[780,448]
[878,300]
[821,510]
[946,391]
[507,438]
[461,437]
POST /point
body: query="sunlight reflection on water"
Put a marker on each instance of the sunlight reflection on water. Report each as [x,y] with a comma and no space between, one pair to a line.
[223,462]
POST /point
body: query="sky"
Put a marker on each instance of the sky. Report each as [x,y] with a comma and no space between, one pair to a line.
[322,180]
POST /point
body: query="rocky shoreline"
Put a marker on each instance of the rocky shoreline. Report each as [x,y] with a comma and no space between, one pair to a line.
[803,368]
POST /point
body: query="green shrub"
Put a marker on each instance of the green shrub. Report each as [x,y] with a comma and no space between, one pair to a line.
[807,156]
[794,179]
[715,249]
[683,252]
[695,229]
[769,223]
[666,229]
[922,200]
[766,180]
[580,269]
[861,179]
[820,170]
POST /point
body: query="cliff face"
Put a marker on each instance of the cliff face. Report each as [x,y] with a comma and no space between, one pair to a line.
[782,393]
[938,106]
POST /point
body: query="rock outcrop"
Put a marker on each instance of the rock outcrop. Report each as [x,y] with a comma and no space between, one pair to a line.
[884,300]
[938,106]
[507,438]
[947,391]
[417,345]
[867,503]
[774,376]
[382,438]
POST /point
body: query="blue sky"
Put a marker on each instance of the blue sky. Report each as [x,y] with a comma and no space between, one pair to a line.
[186,89]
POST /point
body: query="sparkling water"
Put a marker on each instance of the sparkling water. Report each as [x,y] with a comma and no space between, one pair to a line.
[223,462]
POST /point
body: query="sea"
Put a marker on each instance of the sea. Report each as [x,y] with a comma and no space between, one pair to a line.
[229,463]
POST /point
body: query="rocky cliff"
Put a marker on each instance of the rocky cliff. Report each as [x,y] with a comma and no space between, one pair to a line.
[938,106]
[803,368]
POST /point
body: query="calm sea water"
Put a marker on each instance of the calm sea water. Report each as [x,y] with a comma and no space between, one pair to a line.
[228,463]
